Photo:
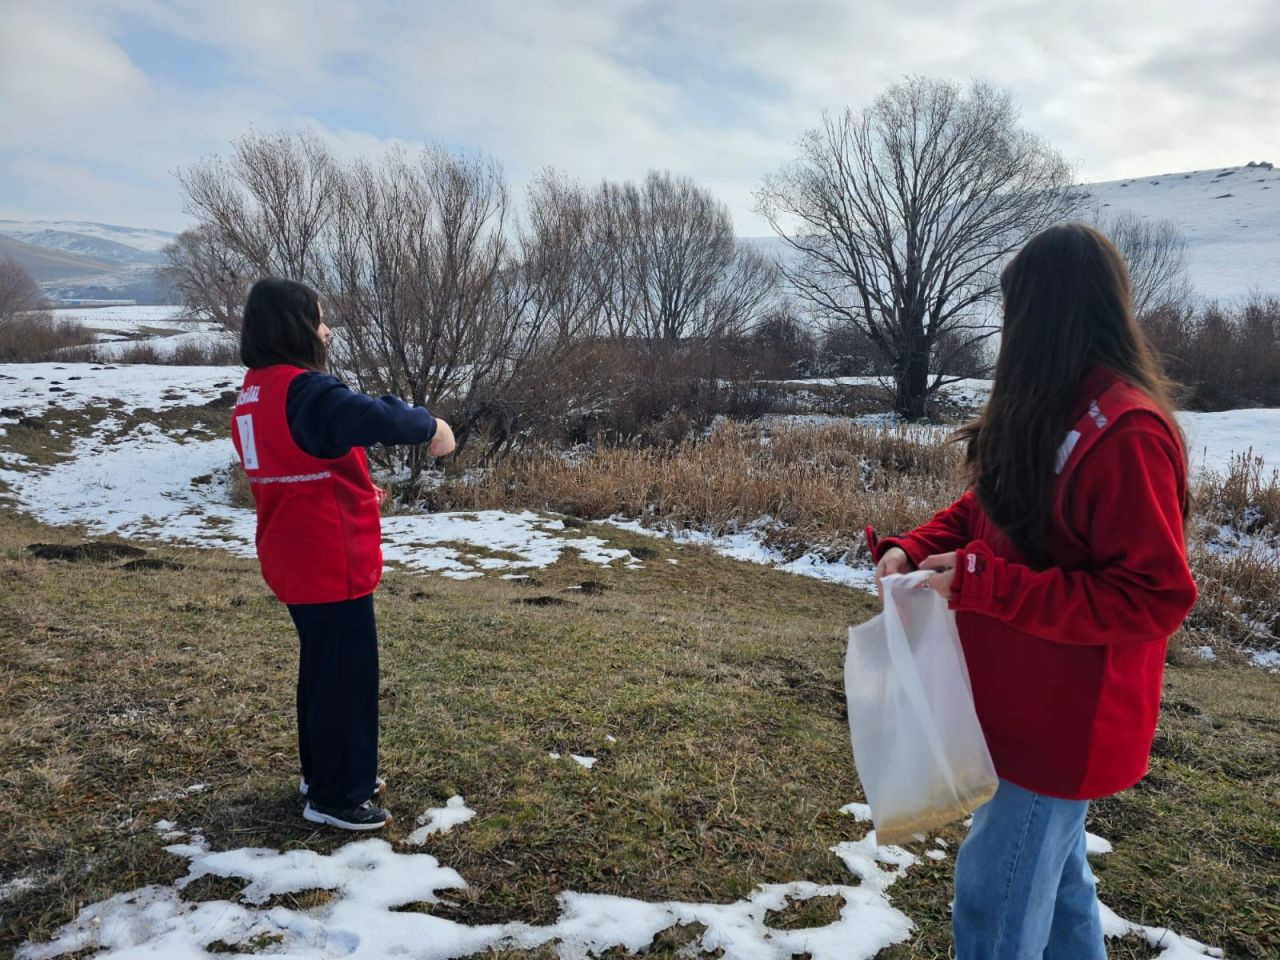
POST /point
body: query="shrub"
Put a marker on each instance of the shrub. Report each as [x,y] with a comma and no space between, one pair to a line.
[33,337]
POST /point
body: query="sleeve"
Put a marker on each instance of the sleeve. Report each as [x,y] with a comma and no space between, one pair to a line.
[947,531]
[327,418]
[1127,494]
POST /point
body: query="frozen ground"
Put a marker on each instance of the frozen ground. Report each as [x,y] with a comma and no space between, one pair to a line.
[149,483]
[370,879]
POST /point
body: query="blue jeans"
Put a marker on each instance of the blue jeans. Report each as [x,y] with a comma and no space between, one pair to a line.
[1024,890]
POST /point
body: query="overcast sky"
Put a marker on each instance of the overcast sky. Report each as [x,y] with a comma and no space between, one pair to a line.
[101,100]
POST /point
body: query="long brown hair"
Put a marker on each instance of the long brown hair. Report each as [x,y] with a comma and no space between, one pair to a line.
[1067,310]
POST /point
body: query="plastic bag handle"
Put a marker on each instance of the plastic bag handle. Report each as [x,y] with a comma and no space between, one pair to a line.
[905,667]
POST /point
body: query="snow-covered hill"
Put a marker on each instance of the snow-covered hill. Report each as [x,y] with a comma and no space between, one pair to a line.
[98,241]
[76,259]
[1230,217]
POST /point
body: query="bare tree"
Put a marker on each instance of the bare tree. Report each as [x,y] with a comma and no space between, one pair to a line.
[1156,254]
[270,203]
[210,275]
[675,270]
[422,283]
[19,293]
[901,215]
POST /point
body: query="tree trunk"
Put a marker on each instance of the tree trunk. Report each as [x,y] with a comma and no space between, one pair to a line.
[911,380]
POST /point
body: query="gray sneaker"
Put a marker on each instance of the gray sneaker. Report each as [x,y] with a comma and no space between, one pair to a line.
[364,817]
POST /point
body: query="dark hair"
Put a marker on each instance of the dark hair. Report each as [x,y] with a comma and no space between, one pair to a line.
[1067,310]
[281,325]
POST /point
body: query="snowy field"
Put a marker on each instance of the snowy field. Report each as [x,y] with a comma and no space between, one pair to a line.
[161,485]
[119,329]
[370,879]
[156,482]
[166,486]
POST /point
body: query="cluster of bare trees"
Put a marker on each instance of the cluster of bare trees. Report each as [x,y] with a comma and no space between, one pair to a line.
[897,218]
[441,292]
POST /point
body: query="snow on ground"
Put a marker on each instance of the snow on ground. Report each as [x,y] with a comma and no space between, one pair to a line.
[1214,438]
[370,880]
[749,545]
[440,820]
[969,393]
[154,485]
[130,318]
[1229,215]
[30,387]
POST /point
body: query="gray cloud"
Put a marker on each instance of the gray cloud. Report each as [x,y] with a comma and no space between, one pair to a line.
[718,90]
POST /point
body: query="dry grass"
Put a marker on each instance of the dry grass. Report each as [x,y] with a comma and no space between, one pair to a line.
[209,353]
[819,485]
[721,682]
[33,337]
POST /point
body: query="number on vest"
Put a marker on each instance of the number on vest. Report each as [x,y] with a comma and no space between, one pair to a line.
[248,449]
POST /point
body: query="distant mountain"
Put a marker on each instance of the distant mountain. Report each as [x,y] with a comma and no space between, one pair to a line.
[1230,217]
[74,259]
[45,264]
[60,233]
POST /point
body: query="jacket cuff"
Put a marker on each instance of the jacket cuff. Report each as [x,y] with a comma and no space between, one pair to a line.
[974,584]
[905,544]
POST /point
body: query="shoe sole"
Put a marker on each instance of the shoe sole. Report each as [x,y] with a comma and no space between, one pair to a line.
[315,816]
[379,788]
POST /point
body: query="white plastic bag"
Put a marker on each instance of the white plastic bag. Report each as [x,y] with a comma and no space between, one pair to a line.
[919,750]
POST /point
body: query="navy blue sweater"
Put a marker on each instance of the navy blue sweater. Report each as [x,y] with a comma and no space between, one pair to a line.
[327,418]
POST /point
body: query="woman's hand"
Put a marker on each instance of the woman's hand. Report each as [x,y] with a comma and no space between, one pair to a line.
[945,565]
[442,444]
[382,494]
[895,560]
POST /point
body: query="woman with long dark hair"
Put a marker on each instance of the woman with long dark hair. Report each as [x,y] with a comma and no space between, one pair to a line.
[1065,562]
[300,435]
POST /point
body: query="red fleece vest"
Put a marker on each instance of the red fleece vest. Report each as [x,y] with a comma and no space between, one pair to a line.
[319,534]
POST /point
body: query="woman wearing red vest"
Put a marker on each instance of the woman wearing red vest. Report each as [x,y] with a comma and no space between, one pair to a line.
[1066,565]
[300,435]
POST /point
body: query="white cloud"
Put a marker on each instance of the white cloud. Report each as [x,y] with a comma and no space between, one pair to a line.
[718,90]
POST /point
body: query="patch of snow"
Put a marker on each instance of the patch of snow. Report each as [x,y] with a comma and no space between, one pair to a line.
[1171,945]
[587,762]
[863,858]
[749,545]
[1213,439]
[935,854]
[553,755]
[11,888]
[1205,652]
[25,386]
[1096,846]
[369,881]
[531,540]
[611,738]
[440,820]
[1267,659]
[859,811]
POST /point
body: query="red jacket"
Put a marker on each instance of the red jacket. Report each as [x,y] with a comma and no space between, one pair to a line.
[1066,662]
[319,533]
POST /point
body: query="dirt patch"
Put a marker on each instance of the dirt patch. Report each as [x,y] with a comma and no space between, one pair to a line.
[153,563]
[92,551]
[544,601]
[805,914]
